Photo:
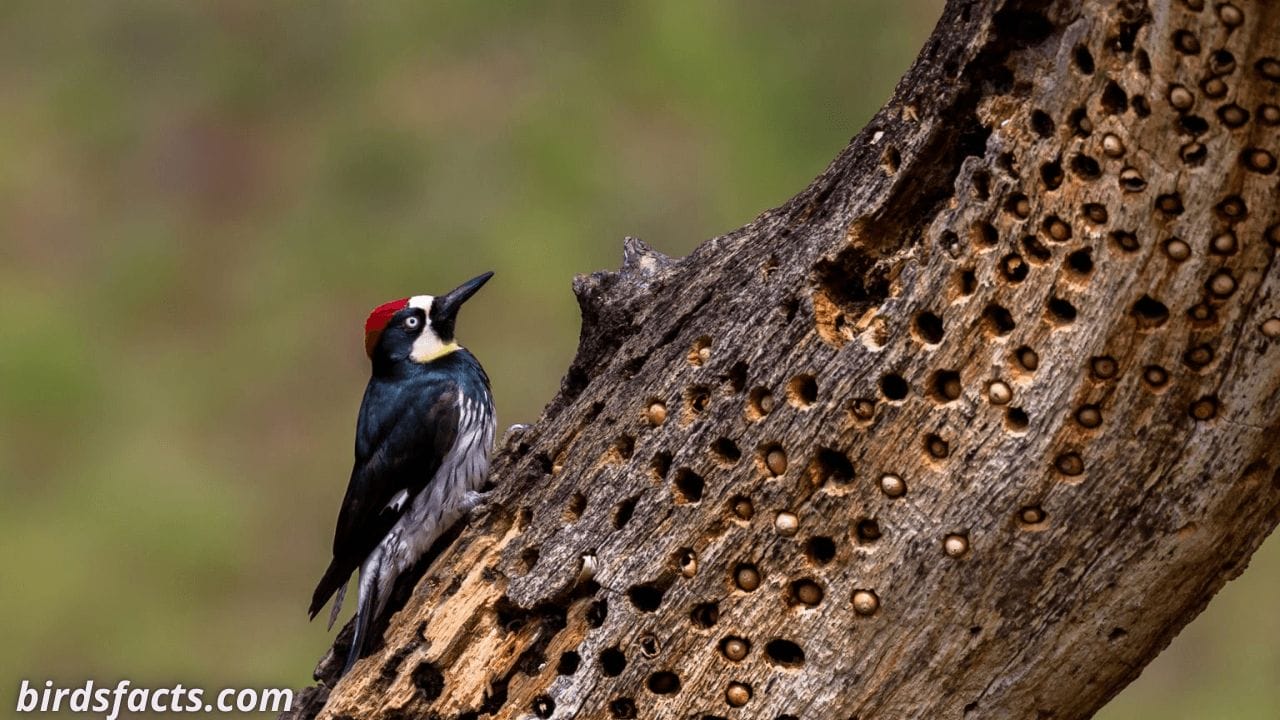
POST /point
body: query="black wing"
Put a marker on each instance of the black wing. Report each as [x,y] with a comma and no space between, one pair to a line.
[405,431]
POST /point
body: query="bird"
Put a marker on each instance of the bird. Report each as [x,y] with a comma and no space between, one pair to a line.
[423,439]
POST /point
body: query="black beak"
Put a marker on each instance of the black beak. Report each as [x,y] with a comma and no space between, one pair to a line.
[445,308]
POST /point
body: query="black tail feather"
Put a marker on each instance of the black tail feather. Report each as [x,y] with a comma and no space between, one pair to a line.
[335,577]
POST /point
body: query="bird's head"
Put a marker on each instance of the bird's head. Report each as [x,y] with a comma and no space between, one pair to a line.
[418,328]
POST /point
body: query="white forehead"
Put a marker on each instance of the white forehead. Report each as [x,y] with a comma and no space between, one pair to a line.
[422,302]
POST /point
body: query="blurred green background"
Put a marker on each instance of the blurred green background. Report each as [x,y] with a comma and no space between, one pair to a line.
[199,203]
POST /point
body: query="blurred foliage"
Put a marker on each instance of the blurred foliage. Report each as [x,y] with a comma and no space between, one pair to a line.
[199,203]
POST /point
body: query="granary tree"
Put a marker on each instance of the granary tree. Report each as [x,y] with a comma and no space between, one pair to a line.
[970,427]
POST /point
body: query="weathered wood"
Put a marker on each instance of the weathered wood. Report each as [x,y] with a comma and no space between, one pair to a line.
[970,427]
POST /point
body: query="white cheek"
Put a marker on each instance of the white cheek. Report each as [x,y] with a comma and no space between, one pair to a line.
[426,346]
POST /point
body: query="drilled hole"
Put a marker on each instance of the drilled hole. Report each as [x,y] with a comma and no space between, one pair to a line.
[1057,229]
[1079,122]
[597,611]
[700,353]
[1114,100]
[1089,416]
[577,504]
[1184,41]
[737,376]
[772,459]
[1061,311]
[1041,123]
[1036,250]
[928,327]
[945,386]
[697,399]
[1232,208]
[802,391]
[664,682]
[831,466]
[1016,419]
[1013,268]
[1125,240]
[1069,464]
[622,708]
[984,234]
[1155,376]
[1169,204]
[998,320]
[1085,167]
[689,486]
[660,465]
[807,592]
[966,281]
[612,662]
[569,663]
[1051,175]
[759,403]
[623,511]
[784,653]
[705,615]
[726,451]
[1149,312]
[893,387]
[1018,205]
[742,507]
[1083,59]
[528,559]
[646,597]
[1027,358]
[937,448]
[820,550]
[1095,213]
[1081,261]
[867,530]
[543,706]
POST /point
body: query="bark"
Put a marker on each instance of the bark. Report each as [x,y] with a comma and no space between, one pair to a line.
[971,427]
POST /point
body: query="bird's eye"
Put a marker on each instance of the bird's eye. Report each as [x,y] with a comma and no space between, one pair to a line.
[411,322]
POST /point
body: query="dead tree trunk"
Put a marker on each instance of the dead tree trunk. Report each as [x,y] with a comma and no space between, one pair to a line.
[970,427]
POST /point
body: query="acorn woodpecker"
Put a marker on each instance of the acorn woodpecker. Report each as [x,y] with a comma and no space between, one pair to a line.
[422,451]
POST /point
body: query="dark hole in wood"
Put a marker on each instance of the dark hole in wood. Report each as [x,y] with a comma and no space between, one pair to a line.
[597,611]
[429,681]
[689,486]
[705,615]
[544,706]
[1083,59]
[785,653]
[1150,312]
[1062,310]
[999,320]
[1042,123]
[623,512]
[1114,99]
[612,662]
[569,663]
[893,386]
[1081,261]
[622,708]
[664,682]
[1086,167]
[820,550]
[929,326]
[646,597]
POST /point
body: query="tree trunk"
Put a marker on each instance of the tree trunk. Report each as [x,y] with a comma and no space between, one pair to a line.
[971,427]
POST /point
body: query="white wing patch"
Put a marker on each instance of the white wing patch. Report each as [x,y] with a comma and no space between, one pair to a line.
[398,501]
